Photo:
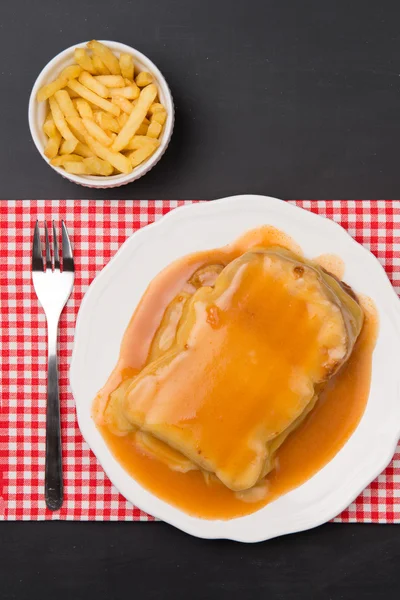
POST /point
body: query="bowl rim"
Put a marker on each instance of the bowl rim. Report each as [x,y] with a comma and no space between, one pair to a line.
[113,180]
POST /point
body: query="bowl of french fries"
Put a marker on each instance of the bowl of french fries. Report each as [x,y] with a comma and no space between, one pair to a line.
[101,114]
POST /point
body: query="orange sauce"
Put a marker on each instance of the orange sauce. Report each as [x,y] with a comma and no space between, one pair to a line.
[331,263]
[311,446]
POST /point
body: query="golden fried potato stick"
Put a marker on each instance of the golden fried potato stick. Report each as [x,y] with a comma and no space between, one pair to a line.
[154,130]
[97,166]
[60,122]
[84,108]
[106,56]
[68,146]
[118,160]
[143,129]
[123,103]
[87,94]
[131,92]
[107,121]
[83,150]
[159,117]
[52,145]
[49,126]
[126,65]
[138,156]
[84,60]
[142,141]
[136,117]
[65,103]
[111,81]
[91,83]
[97,132]
[122,119]
[156,107]
[99,66]
[59,161]
[143,79]
[62,80]
[77,168]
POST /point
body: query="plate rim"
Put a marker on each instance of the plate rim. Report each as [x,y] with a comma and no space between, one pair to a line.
[193,525]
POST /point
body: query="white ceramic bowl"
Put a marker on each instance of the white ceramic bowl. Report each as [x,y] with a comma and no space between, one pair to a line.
[102,321]
[37,112]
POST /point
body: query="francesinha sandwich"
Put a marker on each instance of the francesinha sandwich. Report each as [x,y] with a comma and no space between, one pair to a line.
[245,354]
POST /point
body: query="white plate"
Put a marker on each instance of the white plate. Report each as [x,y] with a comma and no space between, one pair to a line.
[114,294]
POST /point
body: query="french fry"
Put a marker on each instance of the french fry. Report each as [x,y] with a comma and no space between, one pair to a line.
[97,132]
[83,150]
[68,146]
[111,81]
[143,128]
[52,145]
[130,91]
[84,108]
[62,80]
[91,83]
[136,117]
[83,59]
[49,127]
[123,104]
[107,121]
[65,103]
[73,95]
[97,166]
[75,125]
[60,122]
[92,106]
[142,141]
[94,98]
[154,130]
[116,159]
[122,119]
[59,161]
[156,107]
[126,65]
[106,56]
[99,66]
[76,168]
[138,156]
[143,79]
[159,117]
[89,104]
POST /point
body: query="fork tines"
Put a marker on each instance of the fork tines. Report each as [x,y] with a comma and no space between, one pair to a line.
[52,258]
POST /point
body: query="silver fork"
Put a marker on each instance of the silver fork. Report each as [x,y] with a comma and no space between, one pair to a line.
[53,287]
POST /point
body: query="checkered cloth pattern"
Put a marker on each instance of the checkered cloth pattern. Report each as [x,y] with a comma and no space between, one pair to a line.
[97,230]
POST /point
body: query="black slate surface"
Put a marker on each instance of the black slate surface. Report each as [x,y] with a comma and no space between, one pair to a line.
[285,98]
[152,561]
[279,97]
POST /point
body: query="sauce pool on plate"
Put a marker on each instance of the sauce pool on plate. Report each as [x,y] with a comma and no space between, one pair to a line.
[307,449]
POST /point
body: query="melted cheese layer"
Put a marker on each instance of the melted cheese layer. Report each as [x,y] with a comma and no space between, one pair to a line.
[247,360]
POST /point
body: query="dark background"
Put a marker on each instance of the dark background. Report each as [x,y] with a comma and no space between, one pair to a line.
[289,98]
[296,99]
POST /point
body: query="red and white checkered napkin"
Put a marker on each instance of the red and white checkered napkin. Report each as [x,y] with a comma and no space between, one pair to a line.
[97,230]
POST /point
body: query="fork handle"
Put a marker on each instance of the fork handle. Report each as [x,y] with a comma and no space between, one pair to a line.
[54,490]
